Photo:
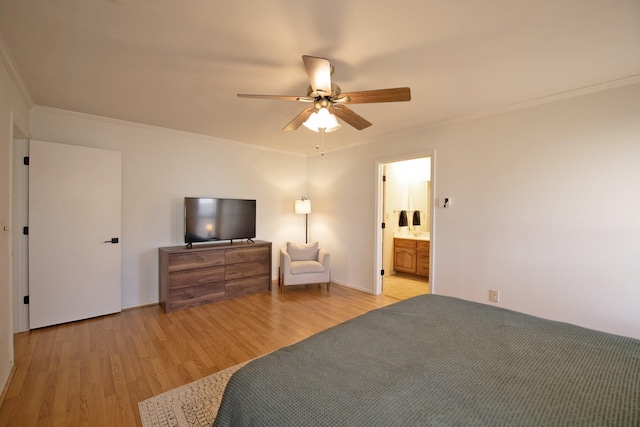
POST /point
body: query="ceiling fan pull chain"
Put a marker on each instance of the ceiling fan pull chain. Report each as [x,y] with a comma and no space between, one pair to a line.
[320,140]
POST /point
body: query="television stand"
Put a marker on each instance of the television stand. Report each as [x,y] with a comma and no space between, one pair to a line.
[206,273]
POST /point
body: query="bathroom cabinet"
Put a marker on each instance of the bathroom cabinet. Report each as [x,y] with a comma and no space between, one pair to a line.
[411,256]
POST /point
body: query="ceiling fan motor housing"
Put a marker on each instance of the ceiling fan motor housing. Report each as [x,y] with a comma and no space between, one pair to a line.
[335,92]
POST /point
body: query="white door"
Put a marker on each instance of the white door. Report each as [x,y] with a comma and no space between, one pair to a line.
[74,213]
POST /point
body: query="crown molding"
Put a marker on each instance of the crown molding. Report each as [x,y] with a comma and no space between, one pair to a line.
[120,122]
[574,93]
[561,96]
[626,81]
[12,69]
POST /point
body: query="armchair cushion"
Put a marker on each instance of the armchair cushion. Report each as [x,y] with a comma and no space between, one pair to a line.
[304,267]
[303,251]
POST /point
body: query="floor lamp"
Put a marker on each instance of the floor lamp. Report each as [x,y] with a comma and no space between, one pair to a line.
[303,206]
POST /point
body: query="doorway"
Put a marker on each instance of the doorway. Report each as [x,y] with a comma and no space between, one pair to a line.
[19,219]
[405,208]
[74,233]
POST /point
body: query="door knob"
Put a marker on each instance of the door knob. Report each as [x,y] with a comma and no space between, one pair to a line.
[113,240]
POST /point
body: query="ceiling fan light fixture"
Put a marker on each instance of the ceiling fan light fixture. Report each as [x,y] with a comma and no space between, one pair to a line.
[322,119]
[329,102]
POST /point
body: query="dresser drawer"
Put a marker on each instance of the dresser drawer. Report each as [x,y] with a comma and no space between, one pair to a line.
[199,276]
[194,295]
[248,285]
[245,254]
[191,260]
[247,269]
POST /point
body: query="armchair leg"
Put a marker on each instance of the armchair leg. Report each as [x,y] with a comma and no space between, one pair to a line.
[281,283]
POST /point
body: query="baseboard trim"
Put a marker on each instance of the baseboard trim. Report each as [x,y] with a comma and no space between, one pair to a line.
[350,286]
[139,306]
[5,388]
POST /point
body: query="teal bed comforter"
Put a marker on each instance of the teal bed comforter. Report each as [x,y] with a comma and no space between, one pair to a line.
[441,361]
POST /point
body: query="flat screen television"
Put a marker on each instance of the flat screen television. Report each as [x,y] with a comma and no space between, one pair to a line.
[207,219]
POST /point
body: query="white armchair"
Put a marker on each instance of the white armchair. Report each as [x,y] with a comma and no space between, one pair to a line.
[301,264]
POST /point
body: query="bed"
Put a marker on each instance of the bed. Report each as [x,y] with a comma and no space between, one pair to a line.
[441,361]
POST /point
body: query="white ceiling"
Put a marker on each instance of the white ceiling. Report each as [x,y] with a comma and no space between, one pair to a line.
[179,64]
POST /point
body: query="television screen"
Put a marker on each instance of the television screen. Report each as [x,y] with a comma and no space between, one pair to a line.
[218,219]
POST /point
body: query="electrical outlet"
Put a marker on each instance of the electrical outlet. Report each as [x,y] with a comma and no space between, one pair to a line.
[494,295]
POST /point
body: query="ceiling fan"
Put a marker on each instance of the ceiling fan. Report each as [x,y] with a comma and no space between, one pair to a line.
[327,99]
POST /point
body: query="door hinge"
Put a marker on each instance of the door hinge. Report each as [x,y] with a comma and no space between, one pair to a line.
[384,225]
[25,300]
[382,272]
[25,231]
[26,161]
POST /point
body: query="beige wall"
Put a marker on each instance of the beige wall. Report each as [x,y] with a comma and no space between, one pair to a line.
[544,208]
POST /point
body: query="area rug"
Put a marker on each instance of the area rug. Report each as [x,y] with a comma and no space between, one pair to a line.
[192,405]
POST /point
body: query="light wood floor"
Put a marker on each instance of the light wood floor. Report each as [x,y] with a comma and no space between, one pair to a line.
[404,285]
[95,372]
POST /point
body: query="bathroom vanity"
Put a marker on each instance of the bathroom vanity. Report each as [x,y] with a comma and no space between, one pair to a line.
[411,254]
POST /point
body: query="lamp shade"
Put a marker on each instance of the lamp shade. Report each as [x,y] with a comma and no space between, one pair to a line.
[303,206]
[322,119]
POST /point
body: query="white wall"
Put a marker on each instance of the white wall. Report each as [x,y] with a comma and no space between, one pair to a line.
[545,207]
[160,167]
[14,115]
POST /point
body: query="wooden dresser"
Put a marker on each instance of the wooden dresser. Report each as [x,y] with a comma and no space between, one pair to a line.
[207,273]
[411,256]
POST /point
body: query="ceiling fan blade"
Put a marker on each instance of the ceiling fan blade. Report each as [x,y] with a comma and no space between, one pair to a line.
[349,116]
[300,118]
[277,97]
[397,94]
[319,71]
